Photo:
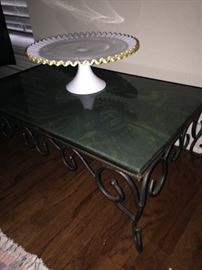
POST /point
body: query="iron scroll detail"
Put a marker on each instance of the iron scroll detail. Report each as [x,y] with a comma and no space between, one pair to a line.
[138,199]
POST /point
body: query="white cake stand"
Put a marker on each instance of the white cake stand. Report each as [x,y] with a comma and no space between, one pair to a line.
[84,50]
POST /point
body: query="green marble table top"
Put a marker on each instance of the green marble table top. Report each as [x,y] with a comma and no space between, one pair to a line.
[127,124]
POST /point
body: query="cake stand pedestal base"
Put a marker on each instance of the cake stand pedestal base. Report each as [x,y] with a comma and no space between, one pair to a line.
[85,82]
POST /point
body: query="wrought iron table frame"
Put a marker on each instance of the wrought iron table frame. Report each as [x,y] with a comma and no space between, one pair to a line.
[141,185]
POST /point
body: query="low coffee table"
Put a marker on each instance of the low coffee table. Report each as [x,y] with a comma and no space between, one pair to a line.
[131,127]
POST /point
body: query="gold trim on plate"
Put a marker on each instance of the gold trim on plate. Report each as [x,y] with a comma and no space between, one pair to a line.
[102,60]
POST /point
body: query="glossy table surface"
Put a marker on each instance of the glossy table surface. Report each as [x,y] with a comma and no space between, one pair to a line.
[128,123]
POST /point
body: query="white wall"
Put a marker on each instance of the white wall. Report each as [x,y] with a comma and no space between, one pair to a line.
[170,32]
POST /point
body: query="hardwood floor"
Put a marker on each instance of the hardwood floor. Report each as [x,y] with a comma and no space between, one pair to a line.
[61,216]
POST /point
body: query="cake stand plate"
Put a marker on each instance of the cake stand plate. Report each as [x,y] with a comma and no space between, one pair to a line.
[84,50]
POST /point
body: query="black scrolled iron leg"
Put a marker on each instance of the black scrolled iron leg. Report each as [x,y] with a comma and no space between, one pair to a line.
[137,236]
[147,187]
[138,197]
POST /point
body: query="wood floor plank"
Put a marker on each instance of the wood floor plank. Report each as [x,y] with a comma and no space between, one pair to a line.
[189,247]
